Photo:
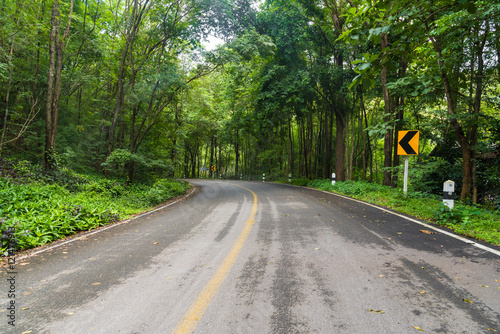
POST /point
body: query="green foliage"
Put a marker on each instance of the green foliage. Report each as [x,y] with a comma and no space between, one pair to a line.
[163,190]
[119,159]
[42,211]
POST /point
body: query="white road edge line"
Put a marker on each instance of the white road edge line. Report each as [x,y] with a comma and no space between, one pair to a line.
[83,235]
[467,241]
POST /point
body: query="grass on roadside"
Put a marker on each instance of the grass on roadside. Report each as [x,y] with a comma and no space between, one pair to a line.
[466,220]
[37,212]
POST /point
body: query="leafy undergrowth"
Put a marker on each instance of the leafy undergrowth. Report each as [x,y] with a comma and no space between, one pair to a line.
[466,220]
[37,211]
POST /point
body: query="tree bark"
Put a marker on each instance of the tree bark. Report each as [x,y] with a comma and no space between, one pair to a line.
[466,142]
[339,146]
[237,153]
[54,80]
[388,110]
[49,162]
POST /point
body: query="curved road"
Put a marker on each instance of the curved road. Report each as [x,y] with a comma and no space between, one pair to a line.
[250,257]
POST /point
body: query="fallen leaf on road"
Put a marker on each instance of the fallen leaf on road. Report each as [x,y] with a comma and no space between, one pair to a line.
[468,301]
[422,292]
[380,275]
[418,328]
[427,232]
[376,312]
[25,308]
[155,243]
[96,283]
[484,286]
[71,313]
[491,329]
[26,332]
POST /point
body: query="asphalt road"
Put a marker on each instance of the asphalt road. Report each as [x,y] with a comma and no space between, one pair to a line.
[253,257]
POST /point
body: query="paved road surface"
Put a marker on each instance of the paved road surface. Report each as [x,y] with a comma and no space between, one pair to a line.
[249,257]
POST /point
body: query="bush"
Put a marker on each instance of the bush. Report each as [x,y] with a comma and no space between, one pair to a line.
[163,190]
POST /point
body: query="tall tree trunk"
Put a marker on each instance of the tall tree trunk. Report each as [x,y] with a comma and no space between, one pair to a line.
[212,148]
[130,34]
[399,118]
[340,121]
[7,94]
[54,80]
[388,110]
[363,133]
[49,162]
[400,107]
[466,142]
[237,153]
[329,143]
[346,145]
[339,146]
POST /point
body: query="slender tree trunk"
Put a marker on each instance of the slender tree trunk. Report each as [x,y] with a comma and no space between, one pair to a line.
[465,144]
[49,161]
[388,109]
[398,127]
[340,121]
[339,146]
[54,80]
[346,145]
[9,83]
[353,146]
[363,133]
[309,143]
[237,154]
[212,148]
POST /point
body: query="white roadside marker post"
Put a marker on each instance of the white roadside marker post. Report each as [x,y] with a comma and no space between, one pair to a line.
[289,178]
[263,177]
[405,184]
[334,178]
[449,194]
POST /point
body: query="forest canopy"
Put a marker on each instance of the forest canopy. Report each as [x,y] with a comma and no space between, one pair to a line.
[307,88]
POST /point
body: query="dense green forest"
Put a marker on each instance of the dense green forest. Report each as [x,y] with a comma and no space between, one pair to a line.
[126,89]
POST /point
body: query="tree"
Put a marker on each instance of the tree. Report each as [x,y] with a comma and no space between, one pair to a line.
[54,81]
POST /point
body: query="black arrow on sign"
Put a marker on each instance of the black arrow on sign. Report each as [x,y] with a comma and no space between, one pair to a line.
[405,142]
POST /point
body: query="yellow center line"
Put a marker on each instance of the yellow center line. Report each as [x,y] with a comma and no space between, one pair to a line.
[199,306]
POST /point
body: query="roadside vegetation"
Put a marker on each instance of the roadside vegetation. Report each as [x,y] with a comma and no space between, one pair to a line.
[468,220]
[40,207]
[102,104]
